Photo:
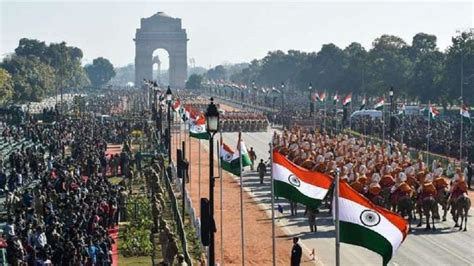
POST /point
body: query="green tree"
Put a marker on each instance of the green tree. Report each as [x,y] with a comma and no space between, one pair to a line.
[6,86]
[65,60]
[460,57]
[325,70]
[355,69]
[194,82]
[31,78]
[427,67]
[216,73]
[100,71]
[31,47]
[388,65]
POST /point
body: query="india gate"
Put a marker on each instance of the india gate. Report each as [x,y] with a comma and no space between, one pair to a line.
[165,32]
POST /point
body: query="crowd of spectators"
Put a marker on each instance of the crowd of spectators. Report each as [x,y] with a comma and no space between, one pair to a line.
[63,214]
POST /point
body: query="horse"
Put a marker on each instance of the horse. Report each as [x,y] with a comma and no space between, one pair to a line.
[430,209]
[388,199]
[378,200]
[405,207]
[461,208]
[442,199]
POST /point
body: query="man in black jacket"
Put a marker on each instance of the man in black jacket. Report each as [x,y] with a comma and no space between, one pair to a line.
[296,253]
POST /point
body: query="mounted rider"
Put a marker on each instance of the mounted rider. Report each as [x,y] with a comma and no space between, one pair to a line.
[439,181]
[427,188]
[458,187]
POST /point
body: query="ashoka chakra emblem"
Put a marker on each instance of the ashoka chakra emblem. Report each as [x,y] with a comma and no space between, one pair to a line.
[200,129]
[294,180]
[369,218]
[228,157]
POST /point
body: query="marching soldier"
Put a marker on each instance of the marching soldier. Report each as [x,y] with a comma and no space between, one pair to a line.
[262,170]
[164,239]
[171,250]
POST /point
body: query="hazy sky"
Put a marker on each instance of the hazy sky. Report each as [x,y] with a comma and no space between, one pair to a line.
[228,31]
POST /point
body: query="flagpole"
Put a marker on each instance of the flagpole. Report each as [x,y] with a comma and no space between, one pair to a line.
[460,136]
[335,113]
[428,137]
[199,170]
[176,123]
[273,205]
[189,170]
[325,110]
[383,124]
[365,120]
[462,90]
[350,119]
[336,214]
[179,129]
[220,188]
[403,122]
[241,201]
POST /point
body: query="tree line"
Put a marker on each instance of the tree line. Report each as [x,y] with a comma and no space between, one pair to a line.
[416,71]
[37,70]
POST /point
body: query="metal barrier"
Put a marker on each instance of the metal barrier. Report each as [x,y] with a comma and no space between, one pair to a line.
[177,215]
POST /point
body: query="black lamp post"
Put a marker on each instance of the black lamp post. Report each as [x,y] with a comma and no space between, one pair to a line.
[212,127]
[311,104]
[282,95]
[390,93]
[169,97]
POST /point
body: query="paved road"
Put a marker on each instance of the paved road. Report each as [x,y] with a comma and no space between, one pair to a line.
[445,246]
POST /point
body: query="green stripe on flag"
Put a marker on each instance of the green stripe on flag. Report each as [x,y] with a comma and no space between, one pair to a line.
[290,192]
[204,135]
[231,167]
[361,236]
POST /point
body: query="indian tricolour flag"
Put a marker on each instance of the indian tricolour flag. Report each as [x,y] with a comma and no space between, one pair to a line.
[379,105]
[230,160]
[198,128]
[245,155]
[363,223]
[402,109]
[298,184]
[466,117]
[433,112]
[186,114]
[362,106]
[347,100]
[322,97]
[335,98]
[177,105]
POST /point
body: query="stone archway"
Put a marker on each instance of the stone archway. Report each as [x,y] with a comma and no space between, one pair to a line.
[165,32]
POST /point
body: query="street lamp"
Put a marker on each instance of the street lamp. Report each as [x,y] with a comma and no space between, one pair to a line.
[212,127]
[168,100]
[311,104]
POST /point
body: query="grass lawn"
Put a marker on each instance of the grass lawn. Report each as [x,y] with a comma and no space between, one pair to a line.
[132,261]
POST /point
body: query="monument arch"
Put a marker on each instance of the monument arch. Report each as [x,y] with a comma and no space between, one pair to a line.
[161,31]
